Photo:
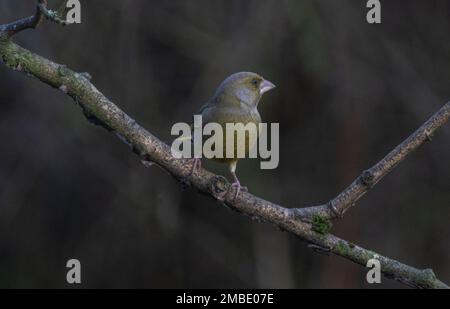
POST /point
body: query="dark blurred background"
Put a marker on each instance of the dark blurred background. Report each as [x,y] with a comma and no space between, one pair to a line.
[348,92]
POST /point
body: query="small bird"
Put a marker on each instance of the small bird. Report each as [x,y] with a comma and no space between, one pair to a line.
[235,101]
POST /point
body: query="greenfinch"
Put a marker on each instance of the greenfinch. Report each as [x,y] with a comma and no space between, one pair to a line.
[235,101]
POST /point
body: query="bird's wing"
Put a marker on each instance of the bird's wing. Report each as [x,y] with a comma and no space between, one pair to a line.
[224,114]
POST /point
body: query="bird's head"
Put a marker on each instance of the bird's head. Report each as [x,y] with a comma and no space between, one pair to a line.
[244,87]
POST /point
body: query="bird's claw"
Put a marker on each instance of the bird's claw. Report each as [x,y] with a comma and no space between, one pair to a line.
[196,165]
[237,187]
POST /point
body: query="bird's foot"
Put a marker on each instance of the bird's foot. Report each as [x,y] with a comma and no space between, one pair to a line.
[196,165]
[237,189]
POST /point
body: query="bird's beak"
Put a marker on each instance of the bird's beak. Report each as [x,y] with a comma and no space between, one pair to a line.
[266,86]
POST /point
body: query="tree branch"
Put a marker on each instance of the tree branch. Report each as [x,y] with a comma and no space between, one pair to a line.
[8,30]
[308,225]
[32,22]
[336,207]
[54,15]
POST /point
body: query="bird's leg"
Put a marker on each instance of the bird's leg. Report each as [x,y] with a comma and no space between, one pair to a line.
[196,162]
[196,165]
[236,184]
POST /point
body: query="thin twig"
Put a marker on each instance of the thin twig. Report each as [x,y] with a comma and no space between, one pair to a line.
[53,15]
[32,22]
[368,178]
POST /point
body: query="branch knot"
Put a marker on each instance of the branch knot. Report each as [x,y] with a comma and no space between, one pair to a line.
[367,178]
[218,185]
[338,213]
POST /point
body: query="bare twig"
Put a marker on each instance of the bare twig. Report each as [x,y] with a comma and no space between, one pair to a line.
[368,178]
[54,15]
[32,22]
[8,30]
[100,110]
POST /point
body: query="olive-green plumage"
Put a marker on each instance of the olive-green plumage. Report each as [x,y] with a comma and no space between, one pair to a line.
[236,101]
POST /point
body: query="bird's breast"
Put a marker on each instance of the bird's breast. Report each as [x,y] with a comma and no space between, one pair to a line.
[245,125]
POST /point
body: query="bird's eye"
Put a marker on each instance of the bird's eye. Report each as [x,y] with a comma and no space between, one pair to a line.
[255,82]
